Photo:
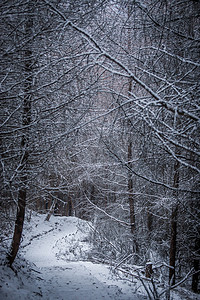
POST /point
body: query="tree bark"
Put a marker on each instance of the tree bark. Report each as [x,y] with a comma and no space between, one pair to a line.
[195,277]
[172,252]
[51,211]
[18,227]
[23,168]
[173,240]
[130,189]
[148,270]
[130,154]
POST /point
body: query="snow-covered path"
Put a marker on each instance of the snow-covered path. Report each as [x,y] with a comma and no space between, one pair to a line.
[56,248]
[54,263]
[75,281]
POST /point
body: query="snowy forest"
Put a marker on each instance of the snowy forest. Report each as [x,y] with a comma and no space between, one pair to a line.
[99,118]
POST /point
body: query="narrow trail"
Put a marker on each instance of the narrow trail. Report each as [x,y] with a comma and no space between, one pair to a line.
[54,263]
[74,281]
[56,248]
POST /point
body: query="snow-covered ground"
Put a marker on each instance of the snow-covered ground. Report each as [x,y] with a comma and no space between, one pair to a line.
[53,263]
[57,251]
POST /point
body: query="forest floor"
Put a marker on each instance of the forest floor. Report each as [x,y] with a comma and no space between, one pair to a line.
[53,263]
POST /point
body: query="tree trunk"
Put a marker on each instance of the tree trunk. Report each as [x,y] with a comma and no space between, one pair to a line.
[195,277]
[130,154]
[172,252]
[50,212]
[148,270]
[18,227]
[130,189]
[173,240]
[19,222]
[70,208]
[23,168]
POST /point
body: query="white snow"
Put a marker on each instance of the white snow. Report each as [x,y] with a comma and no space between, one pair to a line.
[57,251]
[54,262]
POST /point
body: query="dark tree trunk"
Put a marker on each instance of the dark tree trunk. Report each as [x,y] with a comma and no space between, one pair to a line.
[130,189]
[26,121]
[173,240]
[70,208]
[149,221]
[21,205]
[172,253]
[149,270]
[195,277]
[130,154]
[18,227]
